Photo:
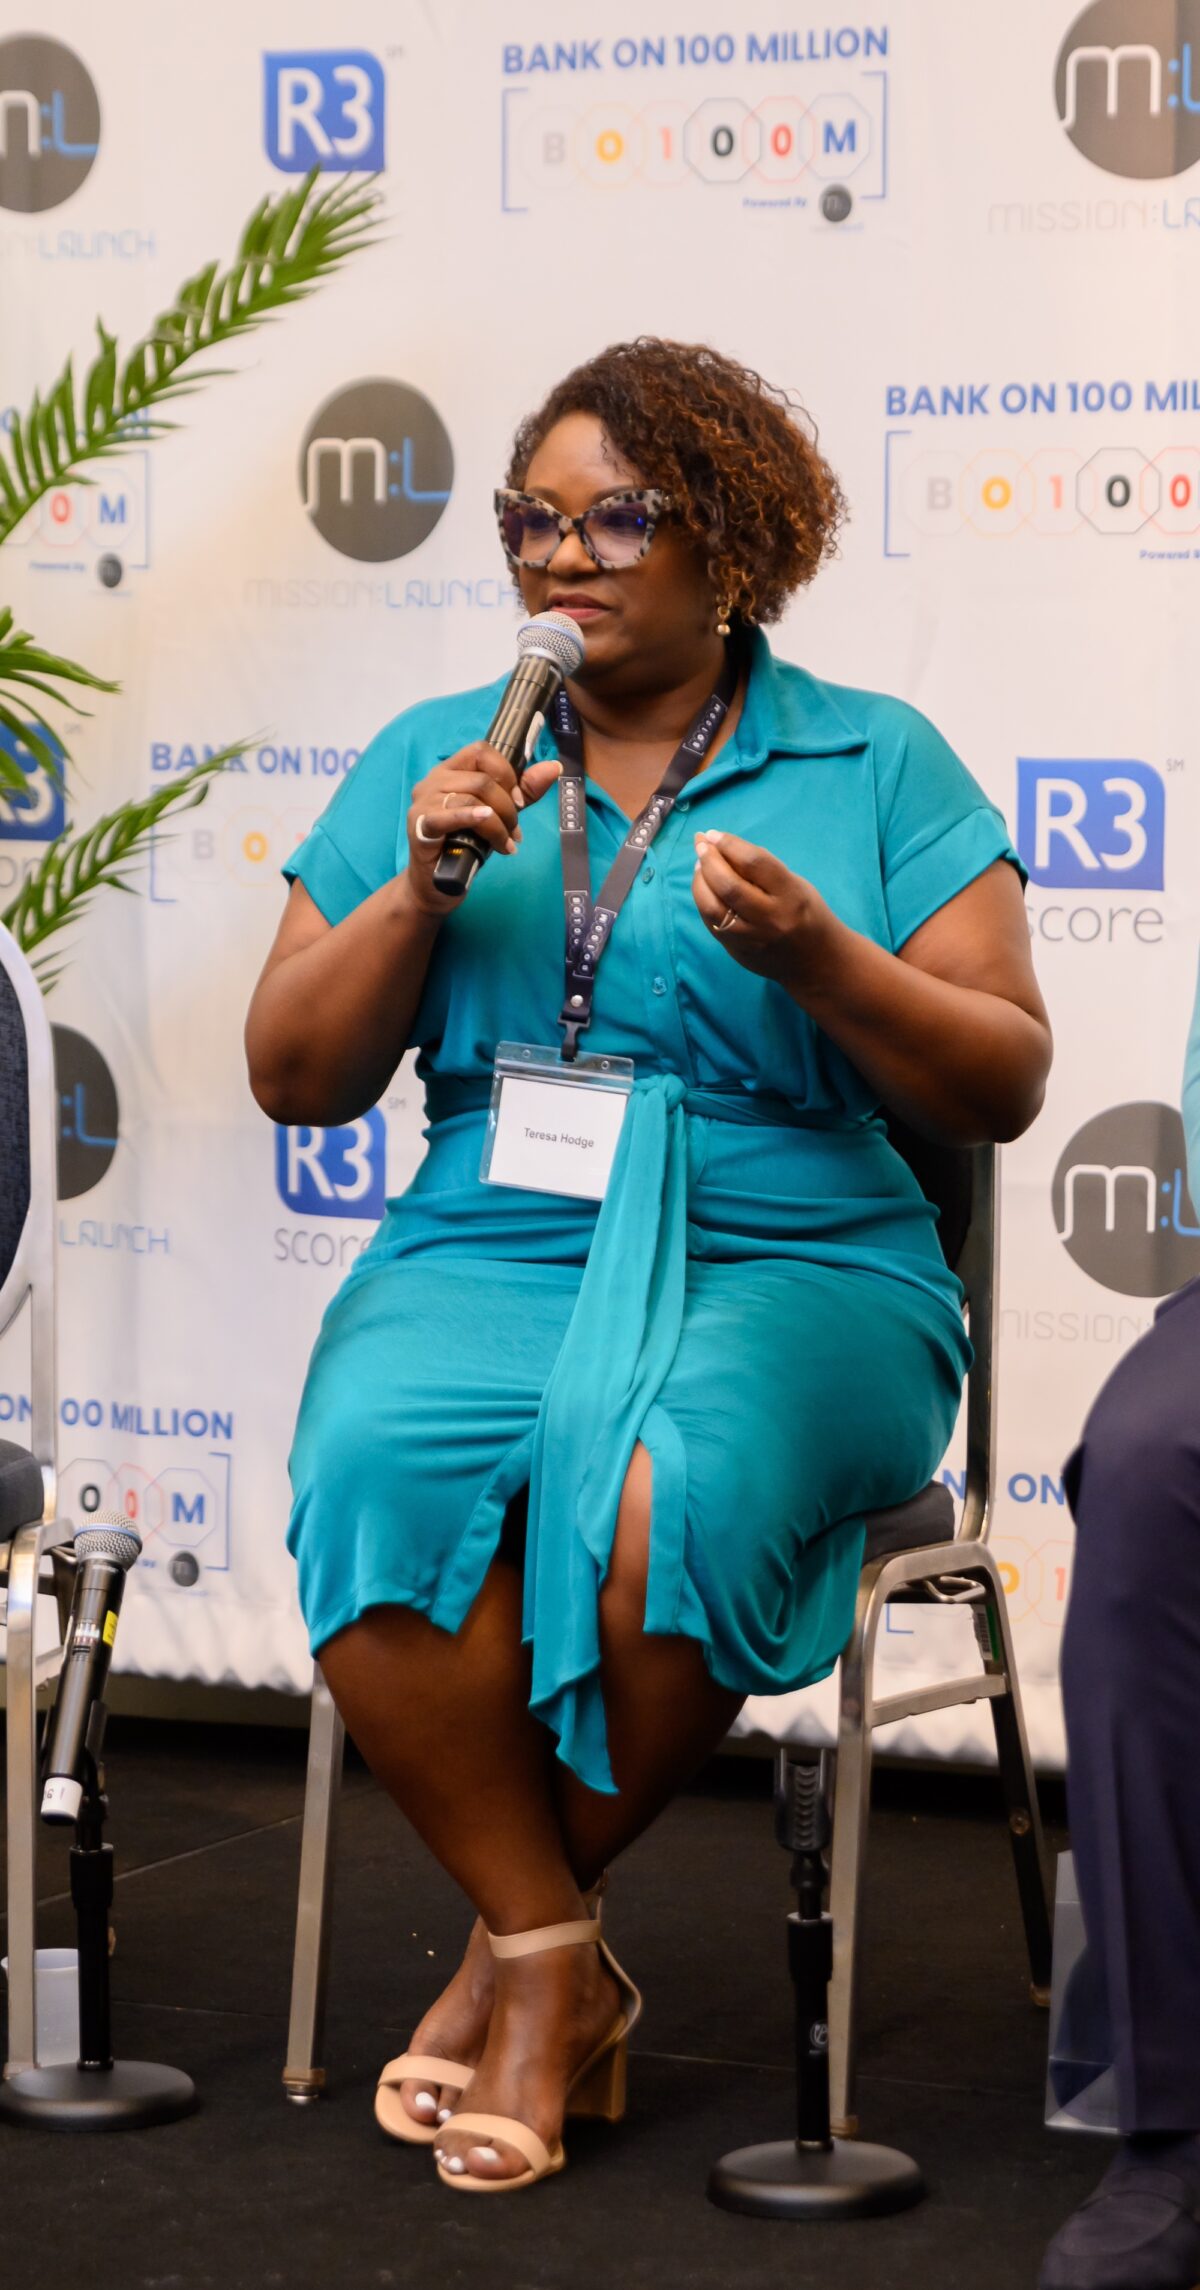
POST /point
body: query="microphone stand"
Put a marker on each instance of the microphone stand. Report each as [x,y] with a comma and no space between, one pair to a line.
[813,2176]
[98,2093]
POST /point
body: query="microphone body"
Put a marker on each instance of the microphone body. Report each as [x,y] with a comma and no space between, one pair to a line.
[105,1550]
[549,648]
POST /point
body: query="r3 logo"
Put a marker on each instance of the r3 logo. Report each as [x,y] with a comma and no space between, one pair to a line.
[334,1172]
[1080,822]
[324,108]
[40,813]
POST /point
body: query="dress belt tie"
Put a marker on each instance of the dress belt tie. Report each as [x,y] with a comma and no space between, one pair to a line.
[596,1402]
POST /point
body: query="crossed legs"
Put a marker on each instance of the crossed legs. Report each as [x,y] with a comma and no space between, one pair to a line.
[444,1723]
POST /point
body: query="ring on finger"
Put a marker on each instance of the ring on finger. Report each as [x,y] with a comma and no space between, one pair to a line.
[727,918]
[421,835]
[452,797]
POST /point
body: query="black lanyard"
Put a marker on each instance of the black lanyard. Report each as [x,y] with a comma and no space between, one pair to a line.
[589,922]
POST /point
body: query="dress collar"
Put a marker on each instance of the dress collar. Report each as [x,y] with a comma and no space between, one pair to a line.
[785,712]
[788,712]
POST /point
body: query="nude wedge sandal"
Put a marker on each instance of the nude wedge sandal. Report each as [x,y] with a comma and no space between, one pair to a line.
[597,2088]
[392,2115]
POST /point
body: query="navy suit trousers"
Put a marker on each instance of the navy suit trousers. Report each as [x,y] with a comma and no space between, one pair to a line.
[1131,1687]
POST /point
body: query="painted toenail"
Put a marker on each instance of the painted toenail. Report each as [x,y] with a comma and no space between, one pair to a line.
[425,2099]
[444,2114]
[455,2163]
[486,2154]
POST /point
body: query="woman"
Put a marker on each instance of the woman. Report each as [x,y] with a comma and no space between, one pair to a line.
[577,1479]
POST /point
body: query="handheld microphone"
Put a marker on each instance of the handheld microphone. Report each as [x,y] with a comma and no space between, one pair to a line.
[104,1552]
[549,649]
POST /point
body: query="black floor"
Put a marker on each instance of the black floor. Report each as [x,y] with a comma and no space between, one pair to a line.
[252,2193]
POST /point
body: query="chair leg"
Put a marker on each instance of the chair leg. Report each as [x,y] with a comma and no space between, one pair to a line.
[852,1806]
[303,2076]
[63,1569]
[22,1812]
[1017,1780]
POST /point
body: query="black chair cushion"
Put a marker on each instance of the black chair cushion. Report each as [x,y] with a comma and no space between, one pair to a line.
[22,1494]
[925,1518]
[944,1174]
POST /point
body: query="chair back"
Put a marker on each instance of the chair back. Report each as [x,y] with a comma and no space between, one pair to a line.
[962,1181]
[28,1186]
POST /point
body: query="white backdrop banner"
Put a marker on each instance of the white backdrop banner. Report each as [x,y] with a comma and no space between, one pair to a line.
[970,255]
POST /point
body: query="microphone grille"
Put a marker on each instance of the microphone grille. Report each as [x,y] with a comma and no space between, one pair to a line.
[108,1535]
[555,635]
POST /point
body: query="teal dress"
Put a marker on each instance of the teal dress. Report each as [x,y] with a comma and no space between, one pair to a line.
[760,1300]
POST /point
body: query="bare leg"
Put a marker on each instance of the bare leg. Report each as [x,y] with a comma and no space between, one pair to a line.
[664,1715]
[444,1723]
[664,1718]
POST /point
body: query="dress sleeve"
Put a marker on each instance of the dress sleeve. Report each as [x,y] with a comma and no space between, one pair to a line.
[355,846]
[938,831]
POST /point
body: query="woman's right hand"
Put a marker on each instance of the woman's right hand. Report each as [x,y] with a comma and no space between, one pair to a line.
[478,789]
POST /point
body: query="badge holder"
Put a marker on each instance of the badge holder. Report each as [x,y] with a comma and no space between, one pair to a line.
[553,1127]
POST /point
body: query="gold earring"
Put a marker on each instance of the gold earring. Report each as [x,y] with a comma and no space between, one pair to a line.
[724,609]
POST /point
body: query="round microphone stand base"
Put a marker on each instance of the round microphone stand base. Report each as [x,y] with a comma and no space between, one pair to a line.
[97,2093]
[124,2097]
[813,2176]
[782,2179]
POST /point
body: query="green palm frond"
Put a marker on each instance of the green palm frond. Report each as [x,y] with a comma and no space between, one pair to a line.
[26,667]
[74,867]
[288,246]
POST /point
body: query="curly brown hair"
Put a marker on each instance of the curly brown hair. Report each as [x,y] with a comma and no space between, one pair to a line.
[738,458]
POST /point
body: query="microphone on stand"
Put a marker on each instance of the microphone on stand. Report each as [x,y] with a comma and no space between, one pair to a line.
[105,1549]
[549,649]
[98,2093]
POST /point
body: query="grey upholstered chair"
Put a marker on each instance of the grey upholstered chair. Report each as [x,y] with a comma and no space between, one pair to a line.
[917,1551]
[32,1554]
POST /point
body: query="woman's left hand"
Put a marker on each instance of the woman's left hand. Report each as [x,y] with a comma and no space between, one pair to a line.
[768,919]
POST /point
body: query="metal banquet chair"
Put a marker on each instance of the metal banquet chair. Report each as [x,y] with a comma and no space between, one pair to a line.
[32,1557]
[916,1551]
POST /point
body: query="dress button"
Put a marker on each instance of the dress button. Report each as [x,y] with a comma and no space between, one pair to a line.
[682,807]
[648,875]
[659,985]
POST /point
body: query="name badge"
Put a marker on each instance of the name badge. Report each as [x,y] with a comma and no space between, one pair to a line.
[553,1127]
